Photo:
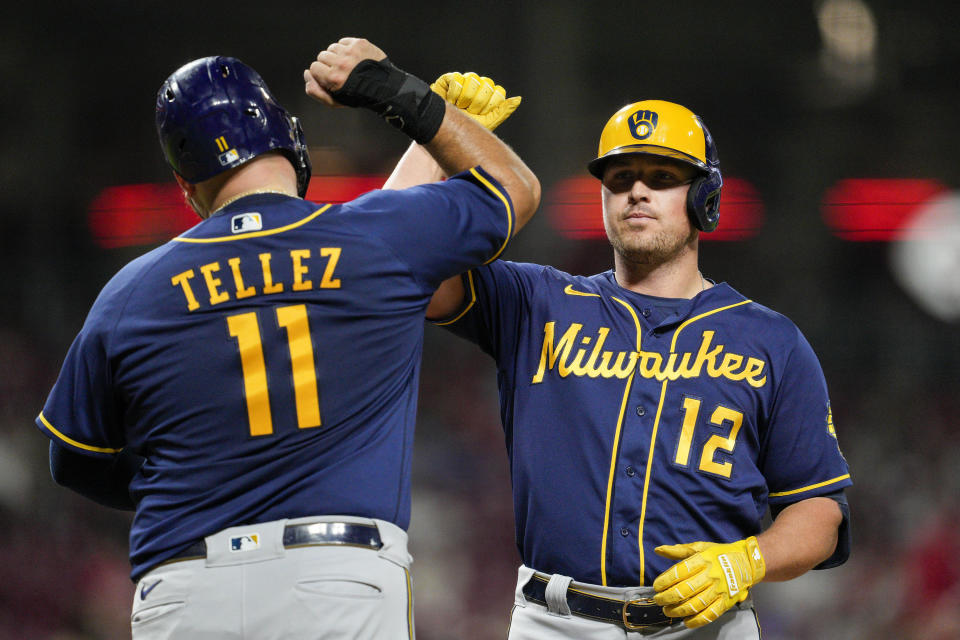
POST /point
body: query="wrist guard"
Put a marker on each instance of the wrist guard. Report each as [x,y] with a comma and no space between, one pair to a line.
[403,100]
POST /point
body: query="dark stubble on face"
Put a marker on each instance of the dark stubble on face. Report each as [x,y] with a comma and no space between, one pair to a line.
[660,249]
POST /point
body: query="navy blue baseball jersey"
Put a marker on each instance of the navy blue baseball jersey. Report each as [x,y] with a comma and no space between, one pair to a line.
[633,421]
[266,362]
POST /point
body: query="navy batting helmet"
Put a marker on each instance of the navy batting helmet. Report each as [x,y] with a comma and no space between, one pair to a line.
[667,129]
[214,114]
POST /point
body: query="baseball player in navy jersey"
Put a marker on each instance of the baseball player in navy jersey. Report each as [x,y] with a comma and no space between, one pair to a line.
[652,415]
[249,388]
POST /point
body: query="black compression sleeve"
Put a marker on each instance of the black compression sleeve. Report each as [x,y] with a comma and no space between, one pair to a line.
[402,99]
[103,480]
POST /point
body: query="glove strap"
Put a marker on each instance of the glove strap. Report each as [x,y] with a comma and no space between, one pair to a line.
[757,563]
[403,100]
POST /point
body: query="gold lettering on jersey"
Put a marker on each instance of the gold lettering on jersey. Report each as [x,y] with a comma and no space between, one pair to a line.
[296,276]
[242,292]
[300,270]
[182,280]
[268,284]
[556,355]
[333,255]
[564,356]
[216,296]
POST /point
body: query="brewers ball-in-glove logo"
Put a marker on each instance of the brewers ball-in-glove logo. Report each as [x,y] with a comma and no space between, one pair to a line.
[642,124]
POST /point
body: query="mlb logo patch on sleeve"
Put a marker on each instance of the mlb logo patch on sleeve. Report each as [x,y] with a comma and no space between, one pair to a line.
[247,542]
[246,222]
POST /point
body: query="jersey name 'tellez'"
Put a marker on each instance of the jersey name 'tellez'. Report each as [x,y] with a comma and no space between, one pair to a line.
[266,362]
[633,421]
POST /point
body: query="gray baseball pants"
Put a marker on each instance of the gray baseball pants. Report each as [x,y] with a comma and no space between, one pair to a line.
[250,587]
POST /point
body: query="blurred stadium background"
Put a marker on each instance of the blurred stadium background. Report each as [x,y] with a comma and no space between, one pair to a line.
[836,122]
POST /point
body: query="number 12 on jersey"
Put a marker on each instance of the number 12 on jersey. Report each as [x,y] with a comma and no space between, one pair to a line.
[246,329]
[720,416]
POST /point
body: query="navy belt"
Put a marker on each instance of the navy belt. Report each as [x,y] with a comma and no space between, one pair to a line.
[640,613]
[311,534]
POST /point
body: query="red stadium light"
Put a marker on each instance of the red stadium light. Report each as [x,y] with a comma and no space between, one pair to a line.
[138,214]
[573,209]
[875,210]
[144,214]
[337,189]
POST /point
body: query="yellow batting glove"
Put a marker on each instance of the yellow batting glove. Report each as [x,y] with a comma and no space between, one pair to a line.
[709,579]
[479,97]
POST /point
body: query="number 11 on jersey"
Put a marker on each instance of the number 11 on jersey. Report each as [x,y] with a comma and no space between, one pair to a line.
[246,329]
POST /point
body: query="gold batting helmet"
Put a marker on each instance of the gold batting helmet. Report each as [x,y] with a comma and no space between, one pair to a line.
[662,128]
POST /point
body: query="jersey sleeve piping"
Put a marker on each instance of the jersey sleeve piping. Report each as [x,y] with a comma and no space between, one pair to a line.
[466,308]
[71,441]
[506,203]
[777,494]
[124,295]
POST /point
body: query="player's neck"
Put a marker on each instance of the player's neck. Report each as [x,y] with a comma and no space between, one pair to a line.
[674,279]
[265,174]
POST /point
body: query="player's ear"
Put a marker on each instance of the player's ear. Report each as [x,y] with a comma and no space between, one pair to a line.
[188,188]
[190,195]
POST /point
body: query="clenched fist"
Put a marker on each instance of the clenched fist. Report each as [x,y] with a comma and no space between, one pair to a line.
[479,97]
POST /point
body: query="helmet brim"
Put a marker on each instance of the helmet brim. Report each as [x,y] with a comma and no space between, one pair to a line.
[596,166]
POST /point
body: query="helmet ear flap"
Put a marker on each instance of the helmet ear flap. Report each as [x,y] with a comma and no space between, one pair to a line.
[703,201]
[302,154]
[703,198]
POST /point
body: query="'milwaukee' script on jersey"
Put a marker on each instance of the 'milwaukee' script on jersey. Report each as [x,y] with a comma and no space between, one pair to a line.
[595,362]
[211,277]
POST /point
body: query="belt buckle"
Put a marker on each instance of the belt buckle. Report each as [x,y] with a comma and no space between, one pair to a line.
[624,613]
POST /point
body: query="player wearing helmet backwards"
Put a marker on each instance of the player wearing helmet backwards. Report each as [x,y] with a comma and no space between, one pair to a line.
[651,415]
[249,388]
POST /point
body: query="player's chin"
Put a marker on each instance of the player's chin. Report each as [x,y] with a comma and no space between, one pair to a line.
[633,253]
[641,240]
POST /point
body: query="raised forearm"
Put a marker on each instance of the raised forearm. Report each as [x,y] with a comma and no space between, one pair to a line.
[355,72]
[462,143]
[416,166]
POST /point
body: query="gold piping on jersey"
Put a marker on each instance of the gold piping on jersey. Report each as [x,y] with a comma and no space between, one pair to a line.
[506,204]
[656,426]
[68,440]
[256,234]
[616,444]
[809,487]
[473,300]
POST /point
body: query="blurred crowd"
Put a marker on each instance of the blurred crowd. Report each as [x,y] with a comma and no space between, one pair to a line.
[800,95]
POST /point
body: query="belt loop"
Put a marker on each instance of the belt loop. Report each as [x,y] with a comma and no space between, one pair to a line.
[394,541]
[524,575]
[556,595]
